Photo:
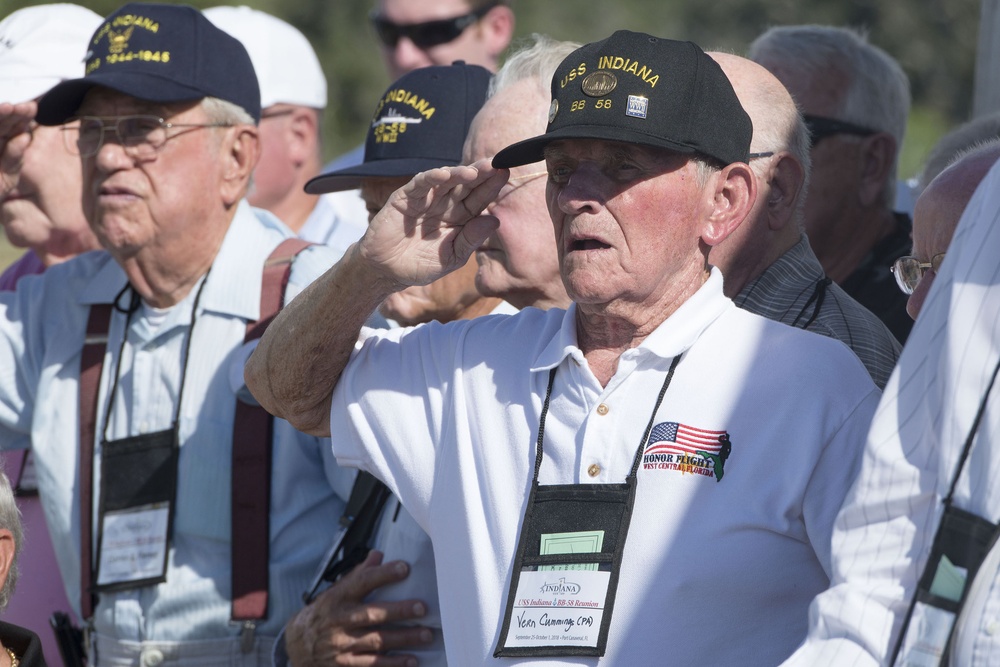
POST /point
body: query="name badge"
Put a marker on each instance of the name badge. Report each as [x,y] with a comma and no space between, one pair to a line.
[568,560]
[960,546]
[135,514]
[558,608]
[134,545]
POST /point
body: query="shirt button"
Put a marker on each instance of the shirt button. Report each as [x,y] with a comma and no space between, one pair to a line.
[603,409]
[144,428]
[992,628]
[152,657]
[594,470]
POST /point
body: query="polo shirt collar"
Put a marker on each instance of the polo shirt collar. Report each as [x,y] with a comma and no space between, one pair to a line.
[674,336]
[233,286]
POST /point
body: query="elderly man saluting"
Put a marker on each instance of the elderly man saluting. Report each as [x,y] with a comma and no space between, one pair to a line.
[652,472]
[118,364]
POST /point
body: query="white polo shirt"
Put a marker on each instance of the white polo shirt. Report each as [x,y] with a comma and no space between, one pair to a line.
[714,571]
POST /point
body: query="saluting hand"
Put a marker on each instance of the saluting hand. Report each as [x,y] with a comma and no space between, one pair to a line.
[15,122]
[433,224]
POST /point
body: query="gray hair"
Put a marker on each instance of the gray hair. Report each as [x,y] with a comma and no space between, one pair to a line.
[955,144]
[10,519]
[878,92]
[221,111]
[772,133]
[537,57]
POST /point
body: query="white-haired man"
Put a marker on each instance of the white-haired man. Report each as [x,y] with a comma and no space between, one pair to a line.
[590,477]
[292,100]
[518,262]
[768,266]
[855,99]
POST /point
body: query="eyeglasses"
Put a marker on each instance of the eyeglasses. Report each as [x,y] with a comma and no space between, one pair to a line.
[140,136]
[909,271]
[517,182]
[427,34]
[820,128]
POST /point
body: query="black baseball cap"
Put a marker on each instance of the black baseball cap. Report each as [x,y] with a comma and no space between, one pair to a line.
[420,123]
[640,89]
[159,53]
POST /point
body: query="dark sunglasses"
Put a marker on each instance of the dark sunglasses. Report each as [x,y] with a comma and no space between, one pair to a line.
[820,128]
[428,34]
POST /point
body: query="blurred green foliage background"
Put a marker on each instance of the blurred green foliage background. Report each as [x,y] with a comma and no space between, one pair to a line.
[934,41]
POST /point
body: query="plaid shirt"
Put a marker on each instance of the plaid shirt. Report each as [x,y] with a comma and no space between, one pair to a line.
[794,290]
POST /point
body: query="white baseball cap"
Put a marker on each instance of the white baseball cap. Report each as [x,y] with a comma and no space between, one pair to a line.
[41,46]
[287,67]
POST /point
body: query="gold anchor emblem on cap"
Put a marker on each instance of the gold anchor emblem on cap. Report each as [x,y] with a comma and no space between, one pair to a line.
[118,41]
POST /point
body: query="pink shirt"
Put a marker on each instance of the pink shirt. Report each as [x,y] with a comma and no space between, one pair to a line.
[28,264]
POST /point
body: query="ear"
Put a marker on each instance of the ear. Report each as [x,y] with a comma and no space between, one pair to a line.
[498,30]
[785,178]
[878,158]
[7,550]
[240,152]
[734,194]
[303,130]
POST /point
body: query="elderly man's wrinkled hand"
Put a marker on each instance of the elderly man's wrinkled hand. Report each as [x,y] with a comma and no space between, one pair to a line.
[339,628]
[15,123]
[433,224]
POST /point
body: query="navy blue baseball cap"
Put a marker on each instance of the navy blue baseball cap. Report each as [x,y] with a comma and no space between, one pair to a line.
[636,88]
[159,53]
[420,123]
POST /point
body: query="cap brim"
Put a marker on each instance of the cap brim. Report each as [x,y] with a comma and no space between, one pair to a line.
[533,150]
[15,89]
[61,103]
[351,177]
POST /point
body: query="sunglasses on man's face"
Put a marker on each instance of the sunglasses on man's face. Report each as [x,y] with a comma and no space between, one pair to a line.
[820,128]
[427,34]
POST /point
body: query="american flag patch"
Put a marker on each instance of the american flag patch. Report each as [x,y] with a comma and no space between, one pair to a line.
[673,437]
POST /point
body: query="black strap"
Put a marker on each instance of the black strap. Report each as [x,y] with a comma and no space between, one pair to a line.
[963,457]
[818,297]
[368,497]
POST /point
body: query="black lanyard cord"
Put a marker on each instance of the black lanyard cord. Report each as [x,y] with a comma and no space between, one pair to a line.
[134,306]
[967,448]
[645,435]
[818,297]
